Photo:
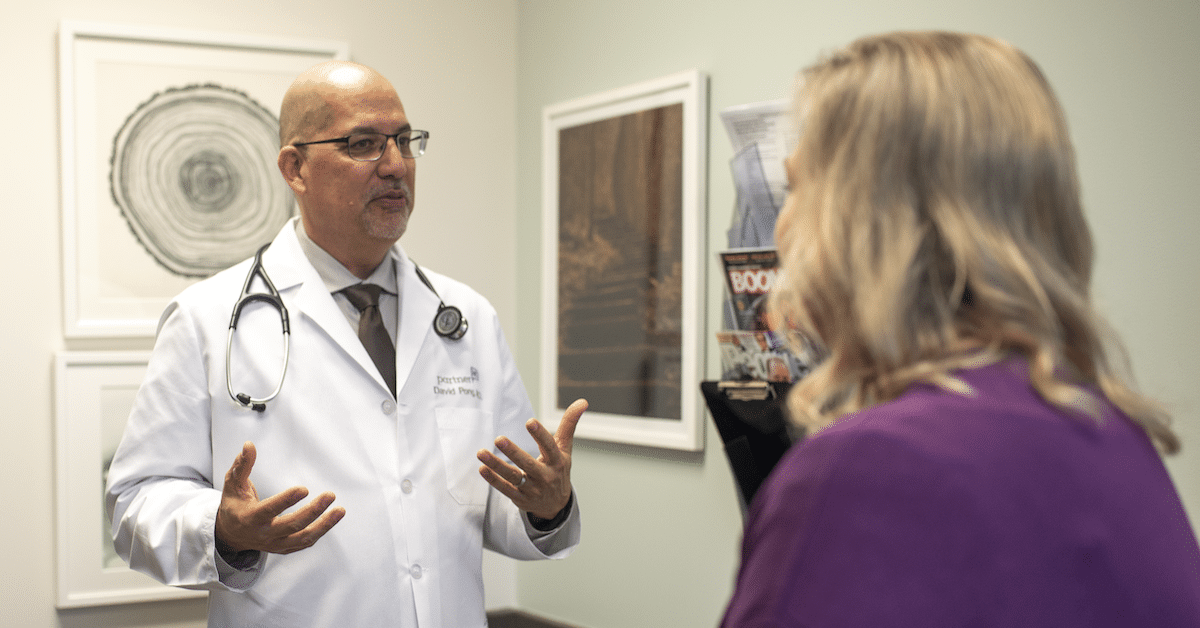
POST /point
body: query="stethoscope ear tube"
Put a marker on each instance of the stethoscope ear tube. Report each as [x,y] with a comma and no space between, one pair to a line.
[259,404]
[272,298]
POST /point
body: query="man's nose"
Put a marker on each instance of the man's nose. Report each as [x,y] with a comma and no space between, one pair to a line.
[392,161]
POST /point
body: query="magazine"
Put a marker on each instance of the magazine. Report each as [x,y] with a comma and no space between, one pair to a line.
[749,275]
[761,356]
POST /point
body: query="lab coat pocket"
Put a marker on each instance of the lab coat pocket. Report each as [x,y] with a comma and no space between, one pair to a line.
[463,432]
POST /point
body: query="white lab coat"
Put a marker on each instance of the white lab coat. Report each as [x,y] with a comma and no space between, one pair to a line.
[408,552]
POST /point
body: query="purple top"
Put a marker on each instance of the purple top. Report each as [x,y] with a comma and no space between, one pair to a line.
[938,509]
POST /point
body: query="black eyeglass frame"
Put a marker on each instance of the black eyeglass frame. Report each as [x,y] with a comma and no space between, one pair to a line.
[421,137]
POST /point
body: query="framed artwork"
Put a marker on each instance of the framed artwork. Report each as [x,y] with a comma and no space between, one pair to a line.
[94,393]
[169,146]
[622,290]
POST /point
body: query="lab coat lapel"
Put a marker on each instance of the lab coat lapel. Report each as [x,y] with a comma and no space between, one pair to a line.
[308,299]
[290,270]
[418,305]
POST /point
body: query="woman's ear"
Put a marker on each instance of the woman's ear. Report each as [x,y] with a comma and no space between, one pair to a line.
[290,161]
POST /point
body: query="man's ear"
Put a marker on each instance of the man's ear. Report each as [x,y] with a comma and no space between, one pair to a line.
[290,161]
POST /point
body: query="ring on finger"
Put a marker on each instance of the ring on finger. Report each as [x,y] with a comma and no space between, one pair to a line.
[521,482]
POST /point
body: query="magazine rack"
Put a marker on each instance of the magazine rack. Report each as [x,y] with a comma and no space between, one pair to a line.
[751,418]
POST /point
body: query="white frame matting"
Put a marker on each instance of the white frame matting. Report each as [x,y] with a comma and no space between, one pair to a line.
[112,287]
[94,393]
[689,88]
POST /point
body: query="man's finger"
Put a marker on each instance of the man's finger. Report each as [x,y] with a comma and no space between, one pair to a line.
[500,483]
[519,457]
[565,434]
[239,472]
[273,506]
[302,518]
[309,535]
[546,442]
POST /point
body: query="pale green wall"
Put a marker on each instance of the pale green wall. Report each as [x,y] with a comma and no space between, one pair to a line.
[661,530]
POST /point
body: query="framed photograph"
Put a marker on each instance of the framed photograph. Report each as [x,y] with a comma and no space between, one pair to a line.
[94,393]
[169,146]
[623,241]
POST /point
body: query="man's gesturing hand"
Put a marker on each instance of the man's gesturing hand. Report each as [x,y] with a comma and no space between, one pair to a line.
[245,523]
[542,486]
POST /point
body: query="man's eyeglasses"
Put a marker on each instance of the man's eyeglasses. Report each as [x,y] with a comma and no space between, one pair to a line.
[370,146]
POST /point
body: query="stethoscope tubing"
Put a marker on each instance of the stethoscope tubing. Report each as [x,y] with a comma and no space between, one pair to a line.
[271,297]
[449,323]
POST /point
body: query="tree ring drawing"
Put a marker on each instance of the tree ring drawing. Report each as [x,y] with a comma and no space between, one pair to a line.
[193,172]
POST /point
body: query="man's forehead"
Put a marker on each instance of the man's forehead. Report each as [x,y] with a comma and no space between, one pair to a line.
[381,126]
[370,112]
[367,118]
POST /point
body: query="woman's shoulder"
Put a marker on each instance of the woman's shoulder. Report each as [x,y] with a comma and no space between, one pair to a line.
[983,432]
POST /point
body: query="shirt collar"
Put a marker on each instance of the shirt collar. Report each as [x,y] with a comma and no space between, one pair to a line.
[336,276]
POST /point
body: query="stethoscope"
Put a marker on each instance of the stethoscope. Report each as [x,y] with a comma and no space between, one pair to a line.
[449,323]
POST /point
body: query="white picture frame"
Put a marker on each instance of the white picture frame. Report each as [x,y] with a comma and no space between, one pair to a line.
[114,286]
[94,392]
[636,122]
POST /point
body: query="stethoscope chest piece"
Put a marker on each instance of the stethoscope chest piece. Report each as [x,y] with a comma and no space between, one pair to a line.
[449,322]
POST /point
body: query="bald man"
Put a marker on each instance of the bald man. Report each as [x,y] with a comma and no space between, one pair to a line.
[422,457]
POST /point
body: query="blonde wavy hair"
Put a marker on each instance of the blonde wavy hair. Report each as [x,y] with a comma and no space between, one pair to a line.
[934,223]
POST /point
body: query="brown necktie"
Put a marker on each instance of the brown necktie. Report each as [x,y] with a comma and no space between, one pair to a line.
[371,331]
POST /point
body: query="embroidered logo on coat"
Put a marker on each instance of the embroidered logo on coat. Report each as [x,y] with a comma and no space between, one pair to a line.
[464,385]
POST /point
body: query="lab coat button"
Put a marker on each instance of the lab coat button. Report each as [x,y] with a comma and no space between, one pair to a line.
[415,571]
[388,406]
[406,486]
